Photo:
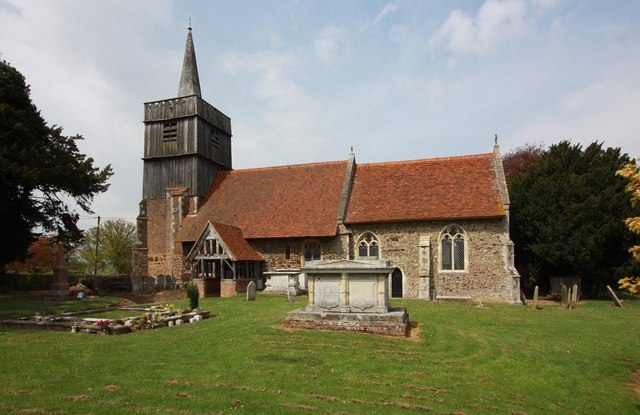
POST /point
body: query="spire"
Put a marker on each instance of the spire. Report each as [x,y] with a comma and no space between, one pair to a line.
[189,80]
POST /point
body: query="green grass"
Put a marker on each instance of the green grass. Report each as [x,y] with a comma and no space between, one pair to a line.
[29,305]
[495,360]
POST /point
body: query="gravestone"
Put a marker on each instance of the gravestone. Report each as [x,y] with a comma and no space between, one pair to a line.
[615,298]
[160,282]
[60,285]
[291,295]
[565,296]
[535,298]
[251,291]
[574,294]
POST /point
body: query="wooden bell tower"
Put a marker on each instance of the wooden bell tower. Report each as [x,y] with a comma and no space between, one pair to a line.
[186,141]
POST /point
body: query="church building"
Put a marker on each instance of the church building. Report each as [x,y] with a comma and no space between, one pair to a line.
[442,223]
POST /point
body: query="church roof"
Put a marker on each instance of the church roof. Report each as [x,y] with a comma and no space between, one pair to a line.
[430,189]
[275,202]
[189,79]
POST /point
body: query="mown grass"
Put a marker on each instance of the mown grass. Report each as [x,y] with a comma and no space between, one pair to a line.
[29,305]
[498,359]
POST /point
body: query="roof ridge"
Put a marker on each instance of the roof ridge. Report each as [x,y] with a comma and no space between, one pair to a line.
[469,156]
[320,163]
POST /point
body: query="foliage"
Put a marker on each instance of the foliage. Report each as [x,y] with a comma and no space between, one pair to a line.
[631,172]
[117,237]
[41,258]
[518,160]
[193,295]
[499,359]
[565,214]
[40,170]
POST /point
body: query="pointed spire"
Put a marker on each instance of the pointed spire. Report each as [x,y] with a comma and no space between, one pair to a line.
[189,80]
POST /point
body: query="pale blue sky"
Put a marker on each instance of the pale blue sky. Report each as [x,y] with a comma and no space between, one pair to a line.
[304,80]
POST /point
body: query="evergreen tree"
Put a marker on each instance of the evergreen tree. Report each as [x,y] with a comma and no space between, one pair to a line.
[566,212]
[40,169]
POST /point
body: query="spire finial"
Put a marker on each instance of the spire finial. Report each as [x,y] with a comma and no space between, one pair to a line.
[352,153]
[189,80]
[496,140]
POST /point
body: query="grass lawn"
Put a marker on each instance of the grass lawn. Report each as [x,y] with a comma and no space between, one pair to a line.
[498,359]
[25,305]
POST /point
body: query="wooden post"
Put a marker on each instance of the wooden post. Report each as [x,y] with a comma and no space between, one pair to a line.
[535,298]
[615,298]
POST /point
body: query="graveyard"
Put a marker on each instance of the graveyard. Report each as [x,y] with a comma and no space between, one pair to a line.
[460,358]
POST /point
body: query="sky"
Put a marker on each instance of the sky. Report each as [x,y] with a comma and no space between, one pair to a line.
[305,80]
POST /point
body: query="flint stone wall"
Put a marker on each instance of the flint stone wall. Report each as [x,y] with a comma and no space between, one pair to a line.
[487,276]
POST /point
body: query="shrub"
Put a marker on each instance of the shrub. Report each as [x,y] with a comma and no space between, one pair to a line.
[193,295]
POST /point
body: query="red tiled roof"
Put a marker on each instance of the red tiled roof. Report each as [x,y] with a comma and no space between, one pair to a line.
[275,202]
[239,247]
[444,188]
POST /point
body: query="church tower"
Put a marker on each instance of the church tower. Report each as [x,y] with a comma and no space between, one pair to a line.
[186,141]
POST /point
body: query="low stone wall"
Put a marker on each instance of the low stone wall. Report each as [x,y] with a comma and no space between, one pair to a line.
[229,288]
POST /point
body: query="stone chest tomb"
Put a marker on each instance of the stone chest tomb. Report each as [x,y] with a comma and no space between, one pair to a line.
[350,295]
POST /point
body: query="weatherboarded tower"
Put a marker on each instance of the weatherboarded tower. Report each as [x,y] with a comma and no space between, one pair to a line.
[186,141]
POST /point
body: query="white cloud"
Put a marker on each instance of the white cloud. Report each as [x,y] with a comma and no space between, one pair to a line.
[605,109]
[495,23]
[288,111]
[387,9]
[329,44]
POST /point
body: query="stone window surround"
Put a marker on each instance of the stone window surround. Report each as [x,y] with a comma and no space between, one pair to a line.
[374,239]
[304,246]
[466,250]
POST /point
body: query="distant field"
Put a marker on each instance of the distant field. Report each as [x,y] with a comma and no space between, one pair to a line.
[466,359]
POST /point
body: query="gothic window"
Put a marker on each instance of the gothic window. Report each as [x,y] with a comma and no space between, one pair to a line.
[170,131]
[311,250]
[452,249]
[368,246]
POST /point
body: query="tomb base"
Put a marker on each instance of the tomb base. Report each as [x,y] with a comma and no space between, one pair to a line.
[395,322]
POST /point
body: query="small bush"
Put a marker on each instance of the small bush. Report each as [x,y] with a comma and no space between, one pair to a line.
[193,295]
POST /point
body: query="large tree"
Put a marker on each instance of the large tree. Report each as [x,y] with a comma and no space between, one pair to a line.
[565,214]
[41,171]
[117,237]
[631,172]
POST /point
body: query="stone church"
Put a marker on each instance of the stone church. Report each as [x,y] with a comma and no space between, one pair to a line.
[443,223]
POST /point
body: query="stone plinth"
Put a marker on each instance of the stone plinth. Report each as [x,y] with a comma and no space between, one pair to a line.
[282,282]
[395,322]
[350,295]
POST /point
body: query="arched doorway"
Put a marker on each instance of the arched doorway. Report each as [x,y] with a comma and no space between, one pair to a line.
[396,283]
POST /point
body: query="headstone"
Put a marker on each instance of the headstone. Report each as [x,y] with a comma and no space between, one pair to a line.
[251,291]
[291,295]
[615,298]
[565,296]
[569,298]
[60,285]
[574,294]
[535,298]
